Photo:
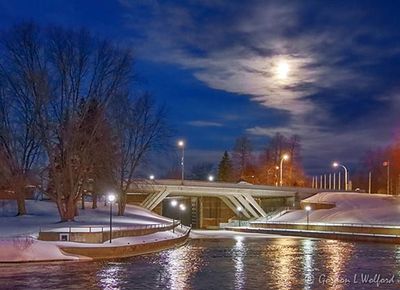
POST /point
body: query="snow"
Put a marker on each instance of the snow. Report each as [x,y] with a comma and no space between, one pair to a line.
[44,214]
[350,207]
[28,249]
[18,241]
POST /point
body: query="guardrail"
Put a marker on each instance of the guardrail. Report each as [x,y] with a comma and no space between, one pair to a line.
[96,229]
[330,224]
[100,234]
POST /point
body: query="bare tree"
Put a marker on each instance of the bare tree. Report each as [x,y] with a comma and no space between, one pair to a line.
[19,139]
[58,70]
[140,128]
[242,156]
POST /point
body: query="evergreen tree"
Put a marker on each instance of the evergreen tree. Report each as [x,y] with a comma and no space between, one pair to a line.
[225,168]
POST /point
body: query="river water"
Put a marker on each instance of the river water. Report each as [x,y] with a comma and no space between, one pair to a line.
[231,263]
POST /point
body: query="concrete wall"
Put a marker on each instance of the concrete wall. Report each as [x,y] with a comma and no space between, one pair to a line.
[329,228]
[125,251]
[213,211]
[101,237]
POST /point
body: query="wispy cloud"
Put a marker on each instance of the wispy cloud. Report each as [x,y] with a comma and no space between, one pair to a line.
[334,62]
[202,123]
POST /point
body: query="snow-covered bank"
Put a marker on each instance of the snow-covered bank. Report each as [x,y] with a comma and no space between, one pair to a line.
[18,234]
[44,214]
[28,249]
[349,208]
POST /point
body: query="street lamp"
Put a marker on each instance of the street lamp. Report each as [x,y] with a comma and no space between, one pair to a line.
[284,157]
[308,209]
[111,198]
[239,209]
[211,178]
[346,173]
[182,208]
[151,177]
[181,144]
[174,203]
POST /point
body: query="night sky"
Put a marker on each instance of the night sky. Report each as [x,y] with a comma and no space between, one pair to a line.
[217,65]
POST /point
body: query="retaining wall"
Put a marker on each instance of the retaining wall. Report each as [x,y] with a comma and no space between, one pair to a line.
[126,251]
[102,236]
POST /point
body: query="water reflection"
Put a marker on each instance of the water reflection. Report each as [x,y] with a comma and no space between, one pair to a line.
[282,256]
[308,248]
[110,277]
[236,263]
[238,258]
[181,264]
[337,255]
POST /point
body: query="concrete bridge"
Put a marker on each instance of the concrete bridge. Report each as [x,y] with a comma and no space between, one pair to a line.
[215,200]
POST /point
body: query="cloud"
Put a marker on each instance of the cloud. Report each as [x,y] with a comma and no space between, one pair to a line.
[202,123]
[337,95]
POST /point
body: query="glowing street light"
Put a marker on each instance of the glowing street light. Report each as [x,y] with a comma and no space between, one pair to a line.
[211,178]
[111,198]
[181,144]
[308,209]
[346,173]
[151,177]
[239,209]
[284,157]
[174,203]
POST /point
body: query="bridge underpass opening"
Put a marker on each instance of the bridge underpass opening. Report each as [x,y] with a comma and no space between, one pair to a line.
[178,208]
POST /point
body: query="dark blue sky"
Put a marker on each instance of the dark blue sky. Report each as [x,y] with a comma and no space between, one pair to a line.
[218,67]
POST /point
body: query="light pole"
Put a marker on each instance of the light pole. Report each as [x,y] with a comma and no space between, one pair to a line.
[182,208]
[308,209]
[387,164]
[111,199]
[174,203]
[239,209]
[181,144]
[346,174]
[284,157]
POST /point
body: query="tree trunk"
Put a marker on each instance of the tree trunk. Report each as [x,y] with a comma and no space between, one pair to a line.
[122,204]
[21,204]
[94,200]
[67,209]
[83,201]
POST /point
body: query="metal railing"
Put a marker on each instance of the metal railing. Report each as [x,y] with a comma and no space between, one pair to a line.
[97,229]
[330,224]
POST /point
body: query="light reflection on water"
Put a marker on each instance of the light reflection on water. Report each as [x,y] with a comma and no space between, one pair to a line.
[237,263]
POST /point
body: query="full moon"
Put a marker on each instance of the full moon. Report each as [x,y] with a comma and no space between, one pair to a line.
[282,70]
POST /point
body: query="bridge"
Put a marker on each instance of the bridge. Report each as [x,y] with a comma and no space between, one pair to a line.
[205,199]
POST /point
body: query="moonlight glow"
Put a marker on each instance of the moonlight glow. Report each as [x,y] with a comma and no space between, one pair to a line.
[282,70]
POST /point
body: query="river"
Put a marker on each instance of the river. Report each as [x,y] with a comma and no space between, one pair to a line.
[239,262]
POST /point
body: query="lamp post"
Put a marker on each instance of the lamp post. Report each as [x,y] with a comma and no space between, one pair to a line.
[182,208]
[174,203]
[111,199]
[284,157]
[346,174]
[239,209]
[181,144]
[308,209]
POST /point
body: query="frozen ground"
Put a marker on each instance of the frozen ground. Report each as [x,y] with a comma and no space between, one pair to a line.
[350,208]
[44,214]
